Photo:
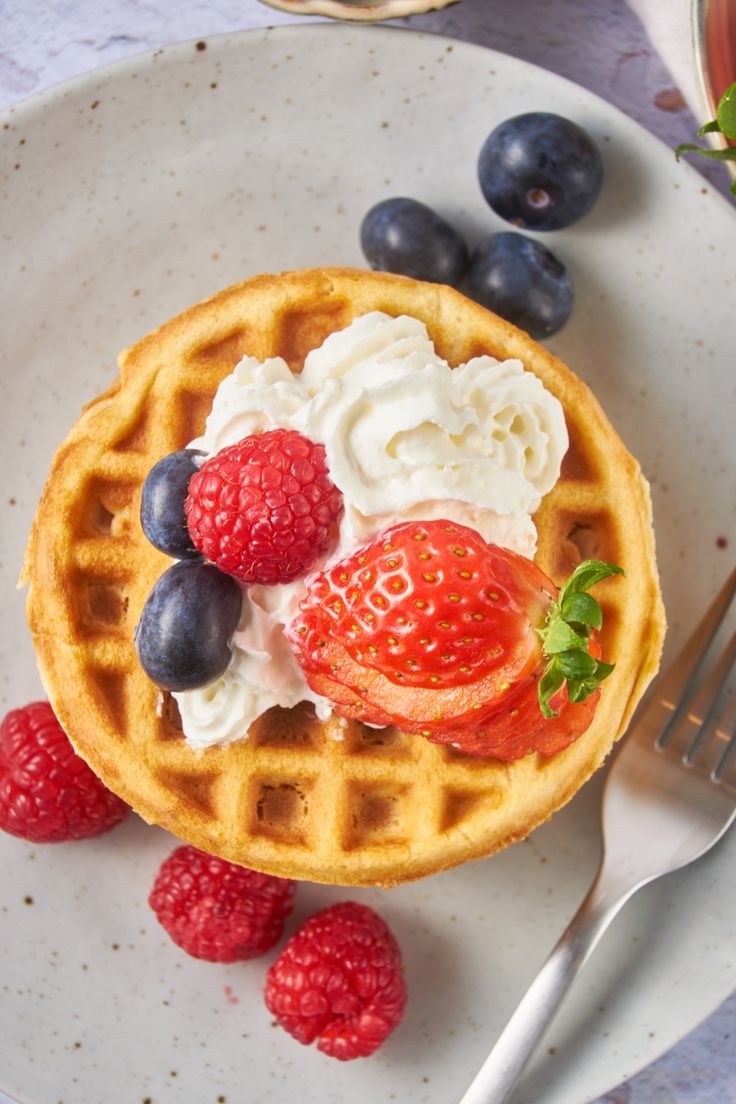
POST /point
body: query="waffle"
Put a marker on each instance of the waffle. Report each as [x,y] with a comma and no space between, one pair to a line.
[334,802]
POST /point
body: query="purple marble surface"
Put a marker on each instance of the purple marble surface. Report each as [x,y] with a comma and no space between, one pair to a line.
[599,44]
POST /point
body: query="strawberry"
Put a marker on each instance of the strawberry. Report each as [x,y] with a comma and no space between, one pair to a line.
[429,605]
[521,727]
[433,630]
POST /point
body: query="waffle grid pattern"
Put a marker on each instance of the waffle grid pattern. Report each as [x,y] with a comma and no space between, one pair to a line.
[337,802]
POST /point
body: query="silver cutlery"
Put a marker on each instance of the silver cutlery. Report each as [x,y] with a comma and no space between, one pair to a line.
[669,797]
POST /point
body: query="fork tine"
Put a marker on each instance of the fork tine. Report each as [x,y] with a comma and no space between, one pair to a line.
[725,768]
[693,732]
[675,686]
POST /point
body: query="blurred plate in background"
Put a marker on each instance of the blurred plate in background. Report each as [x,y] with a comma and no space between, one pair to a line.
[714,32]
[366,10]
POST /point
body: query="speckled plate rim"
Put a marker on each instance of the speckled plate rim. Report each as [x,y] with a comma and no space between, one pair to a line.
[40,102]
[370,12]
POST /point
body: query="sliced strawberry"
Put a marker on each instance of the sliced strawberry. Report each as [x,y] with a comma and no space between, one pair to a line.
[430,629]
[521,728]
[429,604]
[365,694]
[348,702]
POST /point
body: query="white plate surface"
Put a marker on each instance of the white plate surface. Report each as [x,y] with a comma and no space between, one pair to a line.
[139,189]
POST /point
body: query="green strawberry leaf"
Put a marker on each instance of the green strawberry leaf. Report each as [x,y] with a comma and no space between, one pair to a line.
[550,682]
[579,689]
[603,670]
[575,664]
[560,637]
[709,128]
[566,637]
[586,575]
[581,609]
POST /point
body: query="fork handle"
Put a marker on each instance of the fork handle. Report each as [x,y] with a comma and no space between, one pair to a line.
[499,1073]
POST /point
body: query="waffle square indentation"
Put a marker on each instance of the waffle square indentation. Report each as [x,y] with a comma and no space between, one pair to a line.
[378,815]
[190,413]
[170,725]
[460,805]
[108,508]
[102,605]
[196,792]
[382,743]
[288,729]
[107,688]
[300,331]
[224,350]
[612,628]
[588,536]
[578,465]
[280,809]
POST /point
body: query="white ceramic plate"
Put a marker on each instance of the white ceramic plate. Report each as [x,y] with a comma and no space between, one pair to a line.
[136,191]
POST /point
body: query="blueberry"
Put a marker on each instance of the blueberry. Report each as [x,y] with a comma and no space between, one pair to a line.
[522,281]
[162,503]
[183,636]
[405,236]
[540,171]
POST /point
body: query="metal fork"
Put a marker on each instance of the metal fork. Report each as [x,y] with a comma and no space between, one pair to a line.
[670,795]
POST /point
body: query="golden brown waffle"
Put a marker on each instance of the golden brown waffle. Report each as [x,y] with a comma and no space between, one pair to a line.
[377,806]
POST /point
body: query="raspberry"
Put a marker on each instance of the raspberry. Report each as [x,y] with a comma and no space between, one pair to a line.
[264,509]
[47,793]
[216,910]
[339,980]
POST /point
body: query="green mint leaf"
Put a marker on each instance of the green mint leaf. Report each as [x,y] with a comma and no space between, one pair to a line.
[550,682]
[582,609]
[586,575]
[560,637]
[726,112]
[575,664]
[732,189]
[713,154]
[709,128]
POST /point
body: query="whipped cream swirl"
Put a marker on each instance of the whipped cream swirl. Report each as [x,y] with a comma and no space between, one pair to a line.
[405,437]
